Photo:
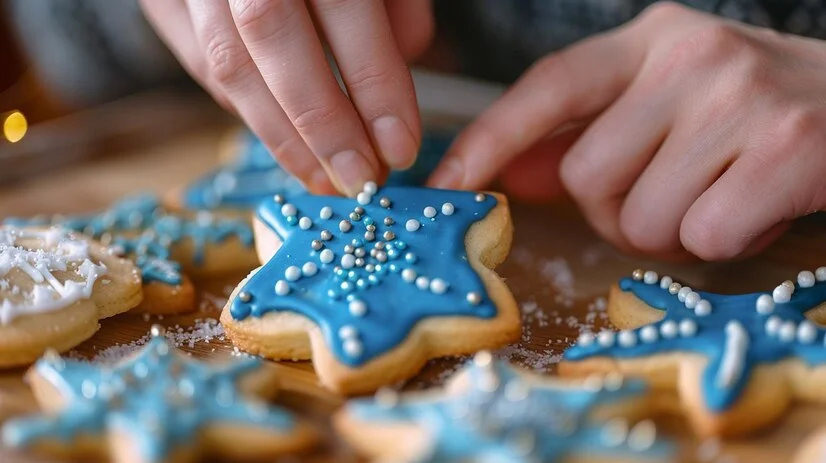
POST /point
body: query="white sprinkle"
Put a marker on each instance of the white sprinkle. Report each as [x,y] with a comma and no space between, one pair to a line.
[806,279]
[429,212]
[764,304]
[292,273]
[326,212]
[585,339]
[422,283]
[345,226]
[627,338]
[820,274]
[691,299]
[806,332]
[305,223]
[448,209]
[650,277]
[438,286]
[371,188]
[288,210]
[787,331]
[282,288]
[352,347]
[357,308]
[684,291]
[409,275]
[606,338]
[348,261]
[688,328]
[412,225]
[648,334]
[347,332]
[326,256]
[665,282]
[309,269]
[773,325]
[782,294]
[364,198]
[703,308]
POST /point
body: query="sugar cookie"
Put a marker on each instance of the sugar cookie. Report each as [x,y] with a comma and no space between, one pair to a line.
[737,363]
[166,246]
[366,294]
[54,287]
[490,411]
[156,406]
[813,449]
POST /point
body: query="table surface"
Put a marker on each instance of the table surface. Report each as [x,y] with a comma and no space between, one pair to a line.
[558,271]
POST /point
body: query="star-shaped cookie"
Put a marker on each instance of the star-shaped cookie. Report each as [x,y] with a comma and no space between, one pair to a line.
[491,412]
[736,362]
[371,288]
[156,406]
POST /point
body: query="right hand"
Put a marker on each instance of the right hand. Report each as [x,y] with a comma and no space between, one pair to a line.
[265,61]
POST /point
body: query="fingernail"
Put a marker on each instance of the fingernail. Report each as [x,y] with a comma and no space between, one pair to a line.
[450,175]
[395,142]
[352,170]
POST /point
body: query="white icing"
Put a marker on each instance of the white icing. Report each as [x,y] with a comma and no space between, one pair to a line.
[669,329]
[627,338]
[683,292]
[585,339]
[734,355]
[806,279]
[765,304]
[787,331]
[648,334]
[806,332]
[665,282]
[703,308]
[282,288]
[691,299]
[688,328]
[773,325]
[60,252]
[606,338]
[782,294]
[650,277]
[820,274]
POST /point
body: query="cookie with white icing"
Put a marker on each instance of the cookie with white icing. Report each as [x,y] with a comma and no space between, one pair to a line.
[736,362]
[54,287]
[371,288]
[168,247]
[157,406]
[490,411]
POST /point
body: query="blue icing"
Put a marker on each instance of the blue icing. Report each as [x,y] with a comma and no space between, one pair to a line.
[138,225]
[256,175]
[501,417]
[369,308]
[769,337]
[160,398]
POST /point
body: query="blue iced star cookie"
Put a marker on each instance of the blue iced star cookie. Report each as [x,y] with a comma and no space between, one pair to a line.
[367,271]
[162,401]
[742,348]
[255,175]
[491,412]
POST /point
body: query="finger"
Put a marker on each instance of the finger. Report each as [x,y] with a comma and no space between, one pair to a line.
[568,86]
[170,19]
[233,69]
[283,44]
[412,24]
[377,78]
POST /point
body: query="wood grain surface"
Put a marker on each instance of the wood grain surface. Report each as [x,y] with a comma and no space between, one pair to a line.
[558,271]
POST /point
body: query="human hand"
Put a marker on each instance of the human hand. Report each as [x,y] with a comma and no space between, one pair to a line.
[697,134]
[264,60]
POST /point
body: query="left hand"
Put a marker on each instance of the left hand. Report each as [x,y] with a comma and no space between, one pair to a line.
[680,132]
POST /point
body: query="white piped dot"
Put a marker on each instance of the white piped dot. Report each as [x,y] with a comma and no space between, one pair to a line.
[292,273]
[586,339]
[282,288]
[650,277]
[820,274]
[448,209]
[669,329]
[309,269]
[438,286]
[288,210]
[422,283]
[787,331]
[348,261]
[806,279]
[348,332]
[773,325]
[606,338]
[806,332]
[371,188]
[357,308]
[688,328]
[627,338]
[364,198]
[648,334]
[691,299]
[412,225]
[703,308]
[305,223]
[409,275]
[352,347]
[326,212]
[429,212]
[782,294]
[683,292]
[665,282]
[764,304]
[326,256]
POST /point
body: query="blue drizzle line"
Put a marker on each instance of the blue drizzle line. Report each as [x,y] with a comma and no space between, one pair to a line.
[502,417]
[138,225]
[363,298]
[770,337]
[256,175]
[159,398]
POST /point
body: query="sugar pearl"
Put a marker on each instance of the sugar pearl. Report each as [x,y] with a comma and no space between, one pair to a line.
[282,288]
[385,203]
[688,328]
[348,261]
[412,225]
[326,256]
[691,299]
[665,282]
[422,282]
[789,284]
[309,269]
[409,275]
[244,296]
[370,188]
[474,298]
[782,294]
[279,198]
[364,198]
[648,334]
[358,308]
[585,339]
[820,274]
[669,329]
[703,308]
[345,226]
[292,273]
[650,277]
[326,212]
[389,221]
[326,235]
[806,332]
[806,279]
[479,197]
[288,210]
[773,325]
[637,274]
[764,304]
[429,212]
[674,288]
[438,286]
[606,338]
[305,223]
[353,347]
[627,338]
[787,331]
[684,291]
[448,209]
[388,235]
[347,332]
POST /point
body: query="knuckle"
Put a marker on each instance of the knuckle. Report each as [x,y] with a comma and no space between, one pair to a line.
[264,18]
[709,46]
[225,58]
[314,114]
[660,12]
[798,126]
[369,75]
